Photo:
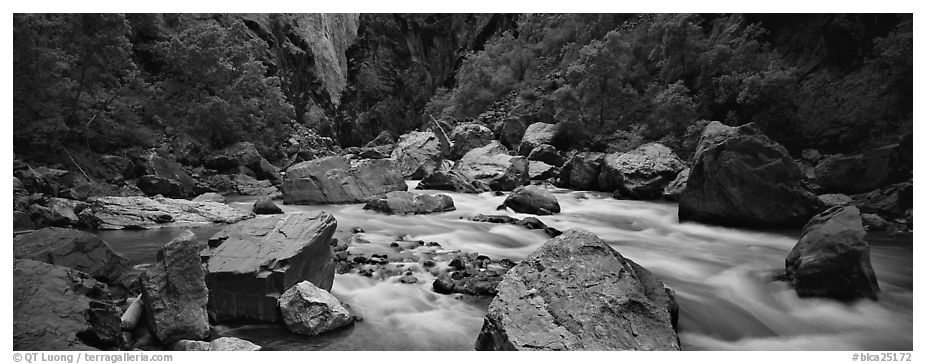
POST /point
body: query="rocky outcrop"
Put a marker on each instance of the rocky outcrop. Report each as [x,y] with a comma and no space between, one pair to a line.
[532,200]
[264,206]
[576,293]
[418,153]
[58,308]
[546,153]
[465,137]
[220,344]
[452,181]
[857,173]
[492,165]
[158,175]
[242,155]
[136,212]
[740,177]
[251,263]
[310,310]
[831,259]
[174,291]
[535,135]
[71,248]
[674,189]
[580,172]
[339,180]
[642,173]
[404,202]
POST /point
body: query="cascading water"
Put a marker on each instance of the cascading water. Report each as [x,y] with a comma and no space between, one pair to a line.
[722,278]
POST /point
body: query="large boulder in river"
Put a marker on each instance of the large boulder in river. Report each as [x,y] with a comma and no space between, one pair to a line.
[465,137]
[137,212]
[532,200]
[535,135]
[577,293]
[339,180]
[452,181]
[251,263]
[310,310]
[417,153]
[492,165]
[404,202]
[831,259]
[246,155]
[580,172]
[74,249]
[174,291]
[158,175]
[740,177]
[857,173]
[58,308]
[642,173]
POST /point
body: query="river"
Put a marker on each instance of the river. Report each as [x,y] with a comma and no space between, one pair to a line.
[722,278]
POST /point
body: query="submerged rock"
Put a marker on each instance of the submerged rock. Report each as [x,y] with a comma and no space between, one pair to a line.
[137,212]
[492,165]
[452,181]
[576,293]
[339,180]
[642,173]
[74,249]
[404,202]
[532,200]
[417,153]
[310,310]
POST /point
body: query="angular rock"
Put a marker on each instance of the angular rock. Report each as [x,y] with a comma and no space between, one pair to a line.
[465,137]
[452,181]
[74,249]
[339,180]
[136,212]
[740,177]
[874,222]
[642,173]
[831,259]
[536,134]
[532,200]
[310,310]
[251,263]
[384,138]
[404,202]
[65,208]
[174,291]
[160,175]
[264,206]
[492,165]
[242,154]
[58,308]
[833,199]
[133,314]
[891,201]
[856,173]
[546,153]
[44,216]
[511,131]
[580,172]
[674,189]
[417,153]
[540,170]
[210,197]
[576,293]
[220,344]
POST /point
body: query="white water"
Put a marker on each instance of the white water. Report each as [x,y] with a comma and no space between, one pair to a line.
[721,277]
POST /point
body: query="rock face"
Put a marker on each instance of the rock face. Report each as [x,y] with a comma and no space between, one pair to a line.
[58,308]
[339,180]
[264,206]
[404,202]
[536,134]
[465,137]
[576,293]
[674,189]
[136,212]
[740,177]
[580,172]
[642,173]
[251,263]
[831,259]
[71,248]
[492,165]
[856,173]
[310,310]
[532,200]
[220,344]
[452,181]
[174,291]
[243,155]
[417,153]
[159,175]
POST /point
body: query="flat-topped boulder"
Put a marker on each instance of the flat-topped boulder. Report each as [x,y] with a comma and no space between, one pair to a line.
[532,200]
[417,153]
[493,165]
[452,181]
[404,202]
[251,263]
[340,180]
[138,212]
[74,249]
[642,173]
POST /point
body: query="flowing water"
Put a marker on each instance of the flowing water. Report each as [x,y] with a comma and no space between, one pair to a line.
[722,278]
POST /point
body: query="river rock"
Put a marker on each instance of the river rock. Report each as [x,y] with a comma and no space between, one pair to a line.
[249,264]
[71,248]
[740,177]
[339,180]
[577,293]
[856,173]
[174,291]
[642,173]
[546,153]
[417,153]
[532,200]
[465,137]
[58,308]
[452,181]
[22,222]
[530,223]
[834,199]
[536,134]
[580,172]
[45,216]
[264,206]
[242,154]
[674,189]
[250,186]
[831,259]
[137,212]
[492,165]
[404,202]
[540,170]
[158,175]
[873,222]
[220,344]
[890,201]
[210,197]
[310,310]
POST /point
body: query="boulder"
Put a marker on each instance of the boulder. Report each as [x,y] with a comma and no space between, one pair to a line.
[532,200]
[577,293]
[452,181]
[417,153]
[383,139]
[264,206]
[465,137]
[339,180]
[674,189]
[404,202]
[833,199]
[811,155]
[873,222]
[511,131]
[890,201]
[74,249]
[220,344]
[174,291]
[580,171]
[249,264]
[492,165]
[546,153]
[309,310]
[740,177]
[136,212]
[65,208]
[242,154]
[158,175]
[22,222]
[43,216]
[58,308]
[530,223]
[210,197]
[831,259]
[540,170]
[535,135]
[249,186]
[856,173]
[642,173]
